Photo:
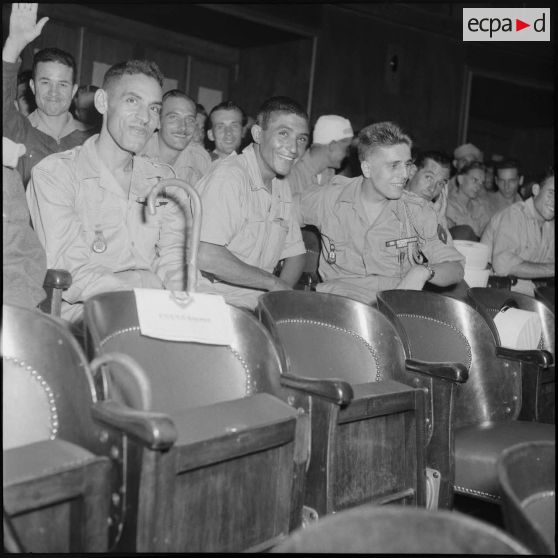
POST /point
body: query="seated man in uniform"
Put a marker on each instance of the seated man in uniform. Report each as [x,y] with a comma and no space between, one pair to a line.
[463,155]
[375,235]
[50,128]
[466,212]
[332,137]
[24,261]
[508,180]
[521,236]
[225,129]
[176,130]
[249,223]
[429,181]
[88,204]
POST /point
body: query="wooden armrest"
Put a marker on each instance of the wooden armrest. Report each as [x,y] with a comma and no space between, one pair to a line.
[451,371]
[337,391]
[156,431]
[58,279]
[540,357]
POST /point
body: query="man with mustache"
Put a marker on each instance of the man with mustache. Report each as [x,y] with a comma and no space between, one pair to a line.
[88,204]
[176,130]
[375,236]
[50,128]
[249,222]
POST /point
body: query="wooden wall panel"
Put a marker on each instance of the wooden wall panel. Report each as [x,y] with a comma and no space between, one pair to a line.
[103,48]
[209,75]
[282,69]
[172,64]
[353,77]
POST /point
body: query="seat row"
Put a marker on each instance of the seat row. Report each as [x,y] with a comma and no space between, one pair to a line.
[321,405]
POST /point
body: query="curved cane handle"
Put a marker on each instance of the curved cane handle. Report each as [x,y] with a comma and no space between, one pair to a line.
[196,223]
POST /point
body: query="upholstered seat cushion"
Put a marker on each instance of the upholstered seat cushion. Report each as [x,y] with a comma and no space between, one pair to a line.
[478,448]
[233,428]
[41,459]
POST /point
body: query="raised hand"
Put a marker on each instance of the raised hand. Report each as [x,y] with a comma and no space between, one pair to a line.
[24,29]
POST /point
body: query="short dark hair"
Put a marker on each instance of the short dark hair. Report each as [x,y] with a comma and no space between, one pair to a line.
[442,159]
[133,67]
[228,105]
[200,109]
[24,76]
[548,173]
[471,166]
[177,93]
[379,135]
[53,54]
[278,104]
[507,164]
[86,89]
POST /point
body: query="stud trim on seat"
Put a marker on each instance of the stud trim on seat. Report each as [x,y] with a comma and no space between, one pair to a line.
[54,421]
[446,324]
[249,386]
[341,330]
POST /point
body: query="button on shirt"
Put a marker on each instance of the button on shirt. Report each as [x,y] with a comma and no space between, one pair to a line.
[364,264]
[518,236]
[74,200]
[31,130]
[256,226]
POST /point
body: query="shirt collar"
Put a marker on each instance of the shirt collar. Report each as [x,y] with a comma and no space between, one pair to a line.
[70,126]
[89,164]
[256,180]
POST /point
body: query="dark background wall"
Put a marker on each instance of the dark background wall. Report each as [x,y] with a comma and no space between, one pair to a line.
[367,61]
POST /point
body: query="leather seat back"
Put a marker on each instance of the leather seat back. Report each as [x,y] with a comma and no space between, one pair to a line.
[185,375]
[440,328]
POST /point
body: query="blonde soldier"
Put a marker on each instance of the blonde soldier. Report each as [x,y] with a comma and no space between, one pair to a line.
[88,205]
[377,236]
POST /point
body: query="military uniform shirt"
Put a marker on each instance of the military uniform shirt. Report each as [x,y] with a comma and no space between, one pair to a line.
[74,200]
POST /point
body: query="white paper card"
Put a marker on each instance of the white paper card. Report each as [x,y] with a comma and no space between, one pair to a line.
[518,329]
[209,98]
[99,71]
[180,316]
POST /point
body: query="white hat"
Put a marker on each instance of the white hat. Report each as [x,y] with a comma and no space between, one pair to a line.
[331,127]
[468,149]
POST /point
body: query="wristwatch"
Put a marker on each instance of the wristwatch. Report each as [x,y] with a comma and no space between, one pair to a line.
[430,270]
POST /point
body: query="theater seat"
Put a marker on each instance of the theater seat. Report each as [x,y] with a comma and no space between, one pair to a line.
[232,477]
[56,481]
[400,530]
[371,444]
[539,387]
[487,406]
[527,474]
[55,283]
[547,295]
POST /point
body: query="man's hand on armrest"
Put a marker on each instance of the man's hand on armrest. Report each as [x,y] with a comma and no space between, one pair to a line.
[219,261]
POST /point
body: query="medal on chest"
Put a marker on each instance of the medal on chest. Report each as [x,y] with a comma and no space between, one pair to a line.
[99,242]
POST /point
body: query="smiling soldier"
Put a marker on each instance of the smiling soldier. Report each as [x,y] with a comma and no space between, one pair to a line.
[375,235]
[248,220]
[50,128]
[88,204]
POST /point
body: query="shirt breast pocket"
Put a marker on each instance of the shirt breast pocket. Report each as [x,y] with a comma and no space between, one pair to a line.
[275,242]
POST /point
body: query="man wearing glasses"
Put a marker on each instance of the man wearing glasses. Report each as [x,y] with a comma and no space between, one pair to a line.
[375,234]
